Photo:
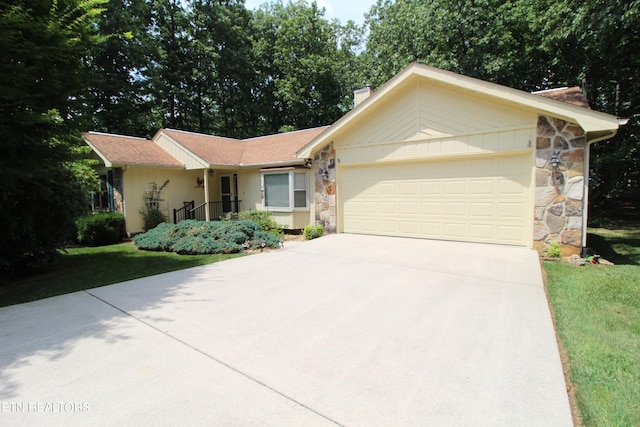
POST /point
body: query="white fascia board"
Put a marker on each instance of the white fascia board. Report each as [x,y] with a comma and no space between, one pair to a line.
[105,160]
[183,153]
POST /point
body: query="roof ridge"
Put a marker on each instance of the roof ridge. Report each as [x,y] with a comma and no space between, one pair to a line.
[286,133]
[535,92]
[201,134]
[91,132]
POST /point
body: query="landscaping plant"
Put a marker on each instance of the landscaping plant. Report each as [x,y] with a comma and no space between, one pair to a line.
[313,231]
[100,229]
[201,237]
[262,218]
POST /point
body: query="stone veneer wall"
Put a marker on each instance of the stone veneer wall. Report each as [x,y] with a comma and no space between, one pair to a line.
[559,195]
[118,185]
[325,188]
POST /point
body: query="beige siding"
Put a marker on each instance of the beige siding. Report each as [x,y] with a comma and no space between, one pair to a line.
[292,220]
[480,199]
[179,152]
[181,188]
[250,192]
[249,189]
[425,121]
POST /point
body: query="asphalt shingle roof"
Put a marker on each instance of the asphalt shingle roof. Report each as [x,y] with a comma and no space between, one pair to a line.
[215,150]
[120,149]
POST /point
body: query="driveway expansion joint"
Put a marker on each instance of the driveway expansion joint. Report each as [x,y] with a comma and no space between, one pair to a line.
[213,358]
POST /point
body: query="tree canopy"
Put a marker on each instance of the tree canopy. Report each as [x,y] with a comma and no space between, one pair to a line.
[41,44]
[213,66]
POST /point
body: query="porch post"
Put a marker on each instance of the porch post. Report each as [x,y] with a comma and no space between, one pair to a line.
[207,214]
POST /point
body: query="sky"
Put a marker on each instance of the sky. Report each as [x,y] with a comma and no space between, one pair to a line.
[338,9]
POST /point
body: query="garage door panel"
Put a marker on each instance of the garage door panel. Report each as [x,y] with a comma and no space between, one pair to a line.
[431,208]
[430,188]
[482,187]
[482,209]
[511,210]
[481,232]
[483,200]
[455,209]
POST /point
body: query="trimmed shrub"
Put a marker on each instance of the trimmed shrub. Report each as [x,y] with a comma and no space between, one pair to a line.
[100,229]
[262,218]
[198,237]
[313,231]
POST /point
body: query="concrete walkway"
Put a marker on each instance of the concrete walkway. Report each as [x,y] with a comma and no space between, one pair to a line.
[343,330]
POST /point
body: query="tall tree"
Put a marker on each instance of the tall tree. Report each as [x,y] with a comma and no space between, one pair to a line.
[495,40]
[222,71]
[609,30]
[41,46]
[116,97]
[170,67]
[299,64]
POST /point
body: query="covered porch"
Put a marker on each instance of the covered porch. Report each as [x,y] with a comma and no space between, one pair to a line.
[220,197]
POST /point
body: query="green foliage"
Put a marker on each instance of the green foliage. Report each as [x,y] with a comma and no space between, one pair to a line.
[597,317]
[198,237]
[262,218]
[151,214]
[302,65]
[152,218]
[100,229]
[41,44]
[554,250]
[313,231]
[89,267]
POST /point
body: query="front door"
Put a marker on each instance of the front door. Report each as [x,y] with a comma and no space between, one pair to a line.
[227,194]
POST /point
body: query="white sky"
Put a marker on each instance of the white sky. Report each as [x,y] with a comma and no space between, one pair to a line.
[338,9]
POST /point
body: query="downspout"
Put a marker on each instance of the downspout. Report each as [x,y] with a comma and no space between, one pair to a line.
[207,213]
[585,200]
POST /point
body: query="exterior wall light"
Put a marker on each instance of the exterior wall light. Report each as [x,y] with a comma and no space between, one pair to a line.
[555,162]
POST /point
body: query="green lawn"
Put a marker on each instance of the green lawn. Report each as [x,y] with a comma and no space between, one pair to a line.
[85,268]
[597,317]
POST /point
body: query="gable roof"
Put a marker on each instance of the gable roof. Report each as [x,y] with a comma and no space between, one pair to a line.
[271,149]
[209,150]
[213,150]
[119,150]
[279,148]
[596,125]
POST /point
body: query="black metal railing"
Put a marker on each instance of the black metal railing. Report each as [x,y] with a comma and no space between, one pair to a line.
[185,212]
[217,210]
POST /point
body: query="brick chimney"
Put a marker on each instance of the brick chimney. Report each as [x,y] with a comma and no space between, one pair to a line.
[360,95]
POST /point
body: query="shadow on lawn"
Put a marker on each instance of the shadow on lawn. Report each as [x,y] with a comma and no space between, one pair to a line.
[95,267]
[605,246]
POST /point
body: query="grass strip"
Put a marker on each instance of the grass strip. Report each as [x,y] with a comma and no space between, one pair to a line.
[597,318]
[86,268]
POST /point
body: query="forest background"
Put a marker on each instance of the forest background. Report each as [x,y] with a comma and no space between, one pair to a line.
[133,66]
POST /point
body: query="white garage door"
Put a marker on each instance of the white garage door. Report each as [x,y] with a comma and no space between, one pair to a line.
[478,200]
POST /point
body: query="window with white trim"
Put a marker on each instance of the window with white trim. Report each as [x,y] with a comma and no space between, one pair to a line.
[284,190]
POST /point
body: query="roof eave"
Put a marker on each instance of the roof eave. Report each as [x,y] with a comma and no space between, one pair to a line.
[104,158]
[146,165]
[293,162]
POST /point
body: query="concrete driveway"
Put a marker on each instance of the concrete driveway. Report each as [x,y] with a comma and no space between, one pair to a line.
[344,330]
